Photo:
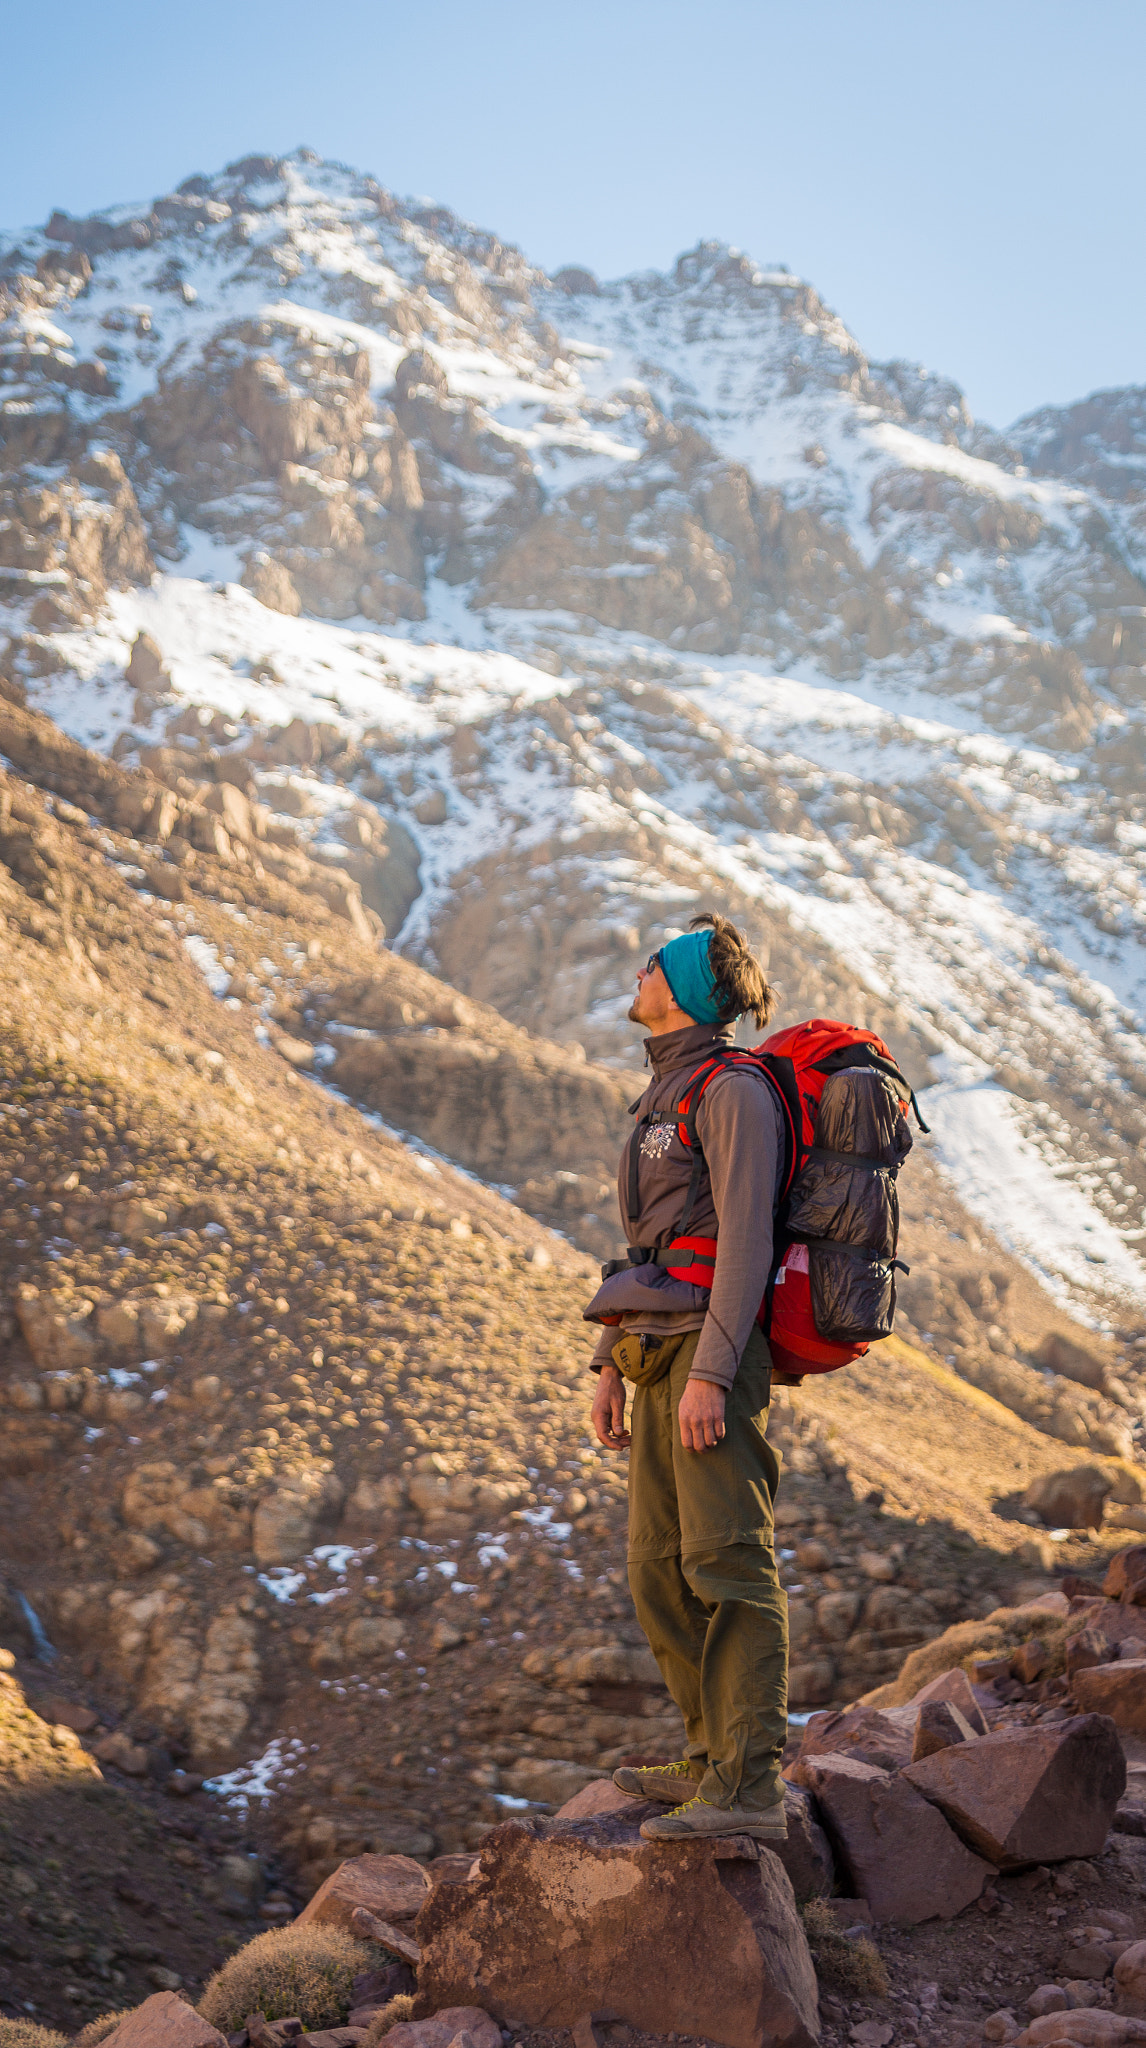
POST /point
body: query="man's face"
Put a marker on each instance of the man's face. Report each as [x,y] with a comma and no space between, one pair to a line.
[654,1000]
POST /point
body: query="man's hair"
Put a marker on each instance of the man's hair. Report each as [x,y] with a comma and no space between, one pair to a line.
[741,989]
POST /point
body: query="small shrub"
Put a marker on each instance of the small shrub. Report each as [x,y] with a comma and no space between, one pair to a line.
[308,1971]
[398,2008]
[26,2034]
[98,2030]
[852,1966]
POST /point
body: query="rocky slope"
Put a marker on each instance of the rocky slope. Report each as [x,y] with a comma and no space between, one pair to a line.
[362,581]
[296,1414]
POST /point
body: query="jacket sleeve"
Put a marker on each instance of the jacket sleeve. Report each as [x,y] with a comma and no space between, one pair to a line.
[603,1349]
[738,1124]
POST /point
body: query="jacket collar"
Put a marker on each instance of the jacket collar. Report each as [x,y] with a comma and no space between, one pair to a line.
[675,1049]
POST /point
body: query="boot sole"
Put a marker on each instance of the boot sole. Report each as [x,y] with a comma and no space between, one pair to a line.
[757,1834]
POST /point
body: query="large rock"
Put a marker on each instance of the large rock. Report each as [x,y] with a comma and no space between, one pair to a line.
[286,1521]
[884,1833]
[1073,1361]
[165,2022]
[807,1853]
[445,2026]
[864,1732]
[955,1687]
[1073,1499]
[548,1781]
[57,1329]
[1130,1979]
[1115,1689]
[390,1887]
[146,666]
[1126,1576]
[939,1725]
[568,1918]
[1089,2027]
[1030,1795]
[602,1796]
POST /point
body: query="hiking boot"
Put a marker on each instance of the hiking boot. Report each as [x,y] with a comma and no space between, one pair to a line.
[698,1820]
[655,1781]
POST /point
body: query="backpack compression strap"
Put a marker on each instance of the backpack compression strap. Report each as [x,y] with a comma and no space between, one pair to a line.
[867,1056]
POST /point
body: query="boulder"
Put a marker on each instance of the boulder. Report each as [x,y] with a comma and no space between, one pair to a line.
[602,1796]
[286,1520]
[164,2021]
[864,1732]
[272,584]
[956,1687]
[548,1781]
[1072,1361]
[1088,2028]
[885,1836]
[1089,1647]
[1087,1961]
[572,1917]
[1115,1689]
[807,1853]
[373,1635]
[57,1329]
[1126,1576]
[444,2026]
[1029,1795]
[1074,1499]
[1130,1979]
[1047,1998]
[939,1725]
[393,1888]
[146,668]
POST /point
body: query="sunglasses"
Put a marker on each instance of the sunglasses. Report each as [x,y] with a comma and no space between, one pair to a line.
[652,963]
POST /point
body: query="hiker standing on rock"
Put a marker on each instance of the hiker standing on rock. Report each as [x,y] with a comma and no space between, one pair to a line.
[702,1475]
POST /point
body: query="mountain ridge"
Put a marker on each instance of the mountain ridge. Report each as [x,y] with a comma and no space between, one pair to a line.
[734,614]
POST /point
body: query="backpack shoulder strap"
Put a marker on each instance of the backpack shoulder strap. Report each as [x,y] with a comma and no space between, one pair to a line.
[770,1070]
[782,1075]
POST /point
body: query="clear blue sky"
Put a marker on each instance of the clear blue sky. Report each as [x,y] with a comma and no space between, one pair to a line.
[962,182]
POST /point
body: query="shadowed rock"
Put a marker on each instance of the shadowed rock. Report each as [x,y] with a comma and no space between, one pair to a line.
[165,2021]
[390,1887]
[1115,1689]
[1030,1795]
[906,1868]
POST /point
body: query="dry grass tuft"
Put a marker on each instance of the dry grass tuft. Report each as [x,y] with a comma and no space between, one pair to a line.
[999,1635]
[25,2034]
[855,1967]
[98,2030]
[308,1971]
[398,2008]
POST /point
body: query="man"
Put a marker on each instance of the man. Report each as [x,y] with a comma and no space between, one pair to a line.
[702,1476]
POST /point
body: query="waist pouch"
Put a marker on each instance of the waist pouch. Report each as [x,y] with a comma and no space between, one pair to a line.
[643,1360]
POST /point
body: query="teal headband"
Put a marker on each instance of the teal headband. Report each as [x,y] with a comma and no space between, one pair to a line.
[689,974]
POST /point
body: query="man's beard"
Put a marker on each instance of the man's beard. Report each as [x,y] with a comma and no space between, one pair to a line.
[635,1011]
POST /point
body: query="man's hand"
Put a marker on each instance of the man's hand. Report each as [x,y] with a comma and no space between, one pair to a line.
[608,1411]
[701,1415]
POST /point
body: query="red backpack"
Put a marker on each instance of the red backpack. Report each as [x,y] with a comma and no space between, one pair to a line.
[831,1290]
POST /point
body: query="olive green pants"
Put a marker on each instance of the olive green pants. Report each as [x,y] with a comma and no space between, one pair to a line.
[703,1576]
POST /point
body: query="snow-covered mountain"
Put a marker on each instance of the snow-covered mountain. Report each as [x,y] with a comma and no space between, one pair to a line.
[548,609]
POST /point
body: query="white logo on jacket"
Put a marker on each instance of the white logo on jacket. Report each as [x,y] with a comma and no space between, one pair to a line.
[656,1140]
